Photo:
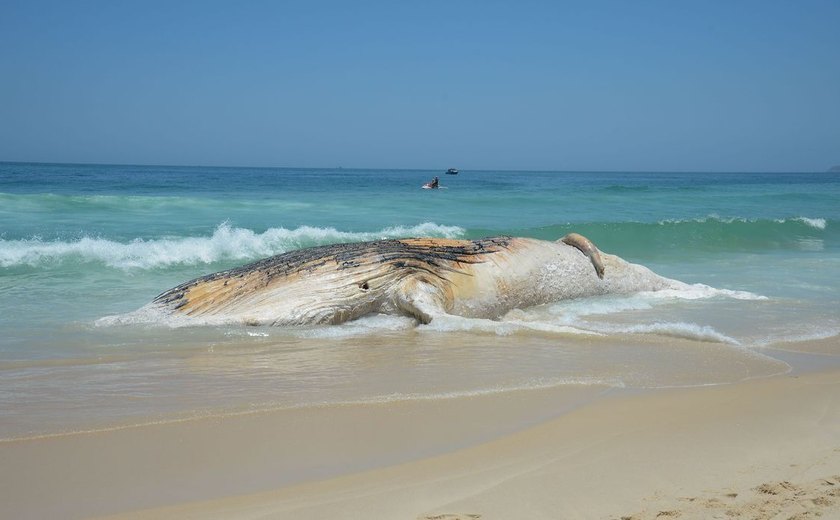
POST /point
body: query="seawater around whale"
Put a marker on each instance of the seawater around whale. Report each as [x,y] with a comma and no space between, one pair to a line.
[419,277]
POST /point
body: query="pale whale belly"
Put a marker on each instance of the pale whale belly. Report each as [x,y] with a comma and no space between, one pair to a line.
[543,272]
[418,277]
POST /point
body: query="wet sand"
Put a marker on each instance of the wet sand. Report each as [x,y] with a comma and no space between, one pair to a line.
[764,448]
[122,469]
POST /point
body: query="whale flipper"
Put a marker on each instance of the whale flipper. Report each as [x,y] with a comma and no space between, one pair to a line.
[419,299]
[588,248]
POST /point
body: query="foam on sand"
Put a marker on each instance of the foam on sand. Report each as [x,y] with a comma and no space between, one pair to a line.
[683,330]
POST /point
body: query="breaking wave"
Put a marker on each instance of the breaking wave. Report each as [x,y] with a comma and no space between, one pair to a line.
[816,223]
[225,244]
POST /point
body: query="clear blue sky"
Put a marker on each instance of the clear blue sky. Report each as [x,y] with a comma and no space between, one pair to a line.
[625,85]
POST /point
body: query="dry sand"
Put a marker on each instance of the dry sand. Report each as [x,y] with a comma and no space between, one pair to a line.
[765,448]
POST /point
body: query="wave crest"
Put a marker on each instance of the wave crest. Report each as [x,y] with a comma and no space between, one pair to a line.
[226,243]
[816,223]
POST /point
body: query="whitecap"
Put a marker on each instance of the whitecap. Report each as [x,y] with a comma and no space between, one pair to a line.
[818,223]
[226,243]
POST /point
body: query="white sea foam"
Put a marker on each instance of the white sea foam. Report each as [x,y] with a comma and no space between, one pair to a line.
[601,305]
[366,325]
[567,316]
[708,218]
[810,333]
[374,324]
[674,329]
[146,315]
[700,291]
[507,327]
[816,223]
[226,243]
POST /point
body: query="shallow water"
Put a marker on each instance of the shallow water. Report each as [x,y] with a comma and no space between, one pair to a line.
[79,243]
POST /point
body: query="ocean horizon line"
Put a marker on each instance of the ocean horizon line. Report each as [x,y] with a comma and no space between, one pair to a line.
[357,168]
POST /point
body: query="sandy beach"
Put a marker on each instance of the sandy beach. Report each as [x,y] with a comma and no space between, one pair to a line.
[419,260]
[765,448]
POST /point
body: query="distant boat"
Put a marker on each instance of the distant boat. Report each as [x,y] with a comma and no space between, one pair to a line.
[452,171]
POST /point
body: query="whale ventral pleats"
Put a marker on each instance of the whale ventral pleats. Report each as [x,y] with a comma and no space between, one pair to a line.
[428,255]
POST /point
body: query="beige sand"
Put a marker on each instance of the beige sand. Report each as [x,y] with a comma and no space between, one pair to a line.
[760,449]
[82,475]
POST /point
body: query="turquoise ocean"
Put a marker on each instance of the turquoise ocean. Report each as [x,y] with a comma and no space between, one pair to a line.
[80,244]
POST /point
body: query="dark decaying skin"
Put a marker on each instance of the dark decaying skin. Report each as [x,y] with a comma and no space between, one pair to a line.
[383,263]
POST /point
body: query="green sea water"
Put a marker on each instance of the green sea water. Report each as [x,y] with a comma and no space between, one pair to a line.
[79,243]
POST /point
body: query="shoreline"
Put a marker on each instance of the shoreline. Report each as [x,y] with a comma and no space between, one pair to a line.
[581,451]
[622,362]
